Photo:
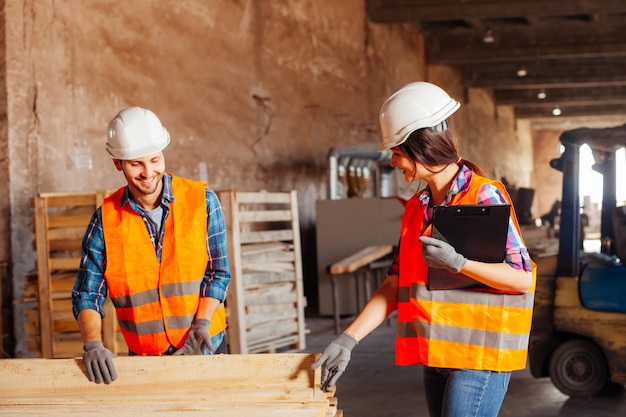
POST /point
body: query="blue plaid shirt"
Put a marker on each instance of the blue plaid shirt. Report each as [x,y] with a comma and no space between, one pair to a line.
[90,290]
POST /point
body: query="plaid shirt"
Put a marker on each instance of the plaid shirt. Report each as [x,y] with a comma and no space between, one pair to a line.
[516,252]
[90,290]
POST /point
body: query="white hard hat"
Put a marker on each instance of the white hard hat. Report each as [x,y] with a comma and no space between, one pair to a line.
[134,133]
[415,106]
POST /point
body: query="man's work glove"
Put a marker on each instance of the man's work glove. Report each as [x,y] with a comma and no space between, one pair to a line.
[99,363]
[198,339]
[335,359]
[440,254]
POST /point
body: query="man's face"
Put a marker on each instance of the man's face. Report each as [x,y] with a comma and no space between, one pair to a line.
[143,174]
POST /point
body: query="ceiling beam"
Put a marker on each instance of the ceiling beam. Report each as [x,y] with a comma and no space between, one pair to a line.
[572,111]
[393,11]
[558,95]
[563,74]
[482,54]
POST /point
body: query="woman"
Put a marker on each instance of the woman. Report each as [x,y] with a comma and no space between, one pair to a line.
[469,341]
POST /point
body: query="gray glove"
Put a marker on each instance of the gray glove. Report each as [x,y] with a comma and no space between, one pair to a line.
[198,340]
[99,363]
[440,254]
[335,359]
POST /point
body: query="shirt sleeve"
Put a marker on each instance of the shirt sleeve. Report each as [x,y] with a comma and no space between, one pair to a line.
[217,275]
[90,290]
[516,252]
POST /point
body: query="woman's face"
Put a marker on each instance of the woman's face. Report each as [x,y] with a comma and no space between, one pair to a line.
[408,166]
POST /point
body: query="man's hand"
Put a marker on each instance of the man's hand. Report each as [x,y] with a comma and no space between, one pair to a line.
[198,339]
[335,359]
[440,254]
[99,363]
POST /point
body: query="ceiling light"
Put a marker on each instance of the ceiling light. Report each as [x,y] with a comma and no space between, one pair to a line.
[541,94]
[488,36]
[522,72]
[556,111]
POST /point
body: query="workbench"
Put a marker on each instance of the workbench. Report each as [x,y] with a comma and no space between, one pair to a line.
[255,385]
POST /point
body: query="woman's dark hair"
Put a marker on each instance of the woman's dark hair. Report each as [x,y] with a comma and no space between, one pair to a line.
[435,149]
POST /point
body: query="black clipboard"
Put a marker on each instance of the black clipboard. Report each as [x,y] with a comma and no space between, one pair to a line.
[476,231]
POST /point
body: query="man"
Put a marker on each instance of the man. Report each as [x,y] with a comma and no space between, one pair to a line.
[157,247]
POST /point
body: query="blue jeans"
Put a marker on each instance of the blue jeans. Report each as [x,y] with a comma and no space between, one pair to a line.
[463,392]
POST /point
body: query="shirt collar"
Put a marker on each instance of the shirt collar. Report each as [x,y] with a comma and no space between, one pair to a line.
[460,183]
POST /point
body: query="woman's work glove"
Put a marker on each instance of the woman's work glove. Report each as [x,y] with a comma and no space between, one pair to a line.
[99,363]
[440,254]
[335,359]
[198,339]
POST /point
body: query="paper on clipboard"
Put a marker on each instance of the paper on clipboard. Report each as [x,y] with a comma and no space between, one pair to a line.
[476,231]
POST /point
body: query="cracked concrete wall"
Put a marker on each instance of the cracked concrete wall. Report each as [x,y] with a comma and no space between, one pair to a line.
[256,92]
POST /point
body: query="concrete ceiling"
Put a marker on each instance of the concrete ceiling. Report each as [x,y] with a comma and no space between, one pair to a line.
[573,51]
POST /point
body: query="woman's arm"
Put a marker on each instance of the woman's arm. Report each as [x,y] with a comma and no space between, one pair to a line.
[500,276]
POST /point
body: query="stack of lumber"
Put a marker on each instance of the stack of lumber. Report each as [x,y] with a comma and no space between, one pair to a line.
[60,223]
[265,299]
[268,385]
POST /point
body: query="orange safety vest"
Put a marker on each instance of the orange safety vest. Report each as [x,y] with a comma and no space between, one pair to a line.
[155,303]
[461,329]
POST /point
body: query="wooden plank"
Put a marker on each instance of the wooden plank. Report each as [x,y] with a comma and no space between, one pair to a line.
[289,374]
[268,385]
[65,244]
[74,233]
[69,199]
[258,279]
[271,313]
[252,216]
[272,294]
[268,332]
[269,266]
[274,344]
[64,263]
[266,236]
[43,272]
[257,248]
[62,288]
[273,256]
[61,221]
[164,409]
[235,300]
[263,197]
[301,301]
[360,259]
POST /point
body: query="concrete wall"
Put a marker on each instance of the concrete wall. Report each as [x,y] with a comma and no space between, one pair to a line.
[256,91]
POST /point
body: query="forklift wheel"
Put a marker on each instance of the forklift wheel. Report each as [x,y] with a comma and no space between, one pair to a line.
[578,368]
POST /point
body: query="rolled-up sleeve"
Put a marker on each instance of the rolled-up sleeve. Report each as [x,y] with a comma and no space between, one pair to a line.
[217,276]
[90,290]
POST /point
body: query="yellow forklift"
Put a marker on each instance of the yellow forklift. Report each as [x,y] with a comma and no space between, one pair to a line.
[578,337]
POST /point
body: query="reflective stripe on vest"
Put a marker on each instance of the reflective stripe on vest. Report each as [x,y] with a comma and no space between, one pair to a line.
[457,328]
[155,303]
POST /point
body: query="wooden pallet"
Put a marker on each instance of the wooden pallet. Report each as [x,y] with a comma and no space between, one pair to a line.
[268,385]
[265,299]
[60,223]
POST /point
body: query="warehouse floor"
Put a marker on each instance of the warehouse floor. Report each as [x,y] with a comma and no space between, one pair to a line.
[373,386]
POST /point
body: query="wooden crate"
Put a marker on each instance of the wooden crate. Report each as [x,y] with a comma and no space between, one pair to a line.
[268,385]
[265,299]
[60,223]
